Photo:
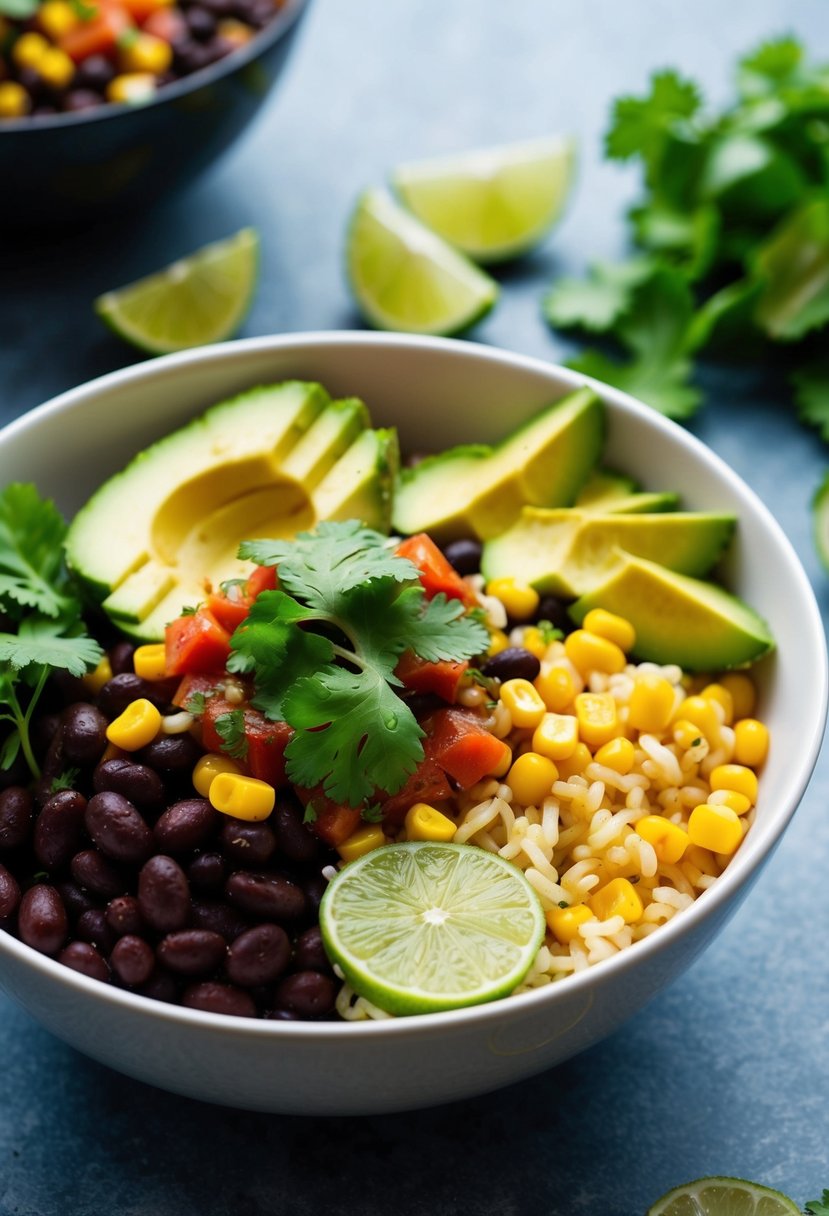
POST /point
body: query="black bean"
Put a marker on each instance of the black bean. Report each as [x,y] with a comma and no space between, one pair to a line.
[266,895]
[51,768]
[281,1015]
[44,729]
[75,899]
[84,732]
[219,918]
[554,610]
[185,826]
[190,55]
[513,663]
[161,986]
[163,894]
[96,72]
[59,829]
[123,689]
[83,957]
[250,843]
[314,889]
[42,920]
[260,13]
[308,993]
[137,782]
[192,951]
[258,956]
[123,915]
[9,894]
[132,959]
[201,23]
[80,99]
[96,873]
[294,838]
[309,952]
[464,555]
[15,816]
[171,754]
[213,997]
[207,873]
[117,828]
[92,927]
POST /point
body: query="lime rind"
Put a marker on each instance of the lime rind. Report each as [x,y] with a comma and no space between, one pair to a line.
[405,277]
[421,927]
[723,1196]
[491,203]
[202,298]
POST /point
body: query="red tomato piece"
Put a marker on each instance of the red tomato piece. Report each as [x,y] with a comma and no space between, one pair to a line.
[443,678]
[263,578]
[332,822]
[165,23]
[229,612]
[192,684]
[436,573]
[97,36]
[428,783]
[266,740]
[462,746]
[196,643]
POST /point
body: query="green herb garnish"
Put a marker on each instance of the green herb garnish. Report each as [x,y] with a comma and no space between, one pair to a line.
[230,728]
[65,780]
[819,1207]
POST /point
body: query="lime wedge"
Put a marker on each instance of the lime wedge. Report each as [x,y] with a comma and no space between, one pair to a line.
[419,927]
[820,520]
[202,298]
[494,203]
[405,277]
[723,1197]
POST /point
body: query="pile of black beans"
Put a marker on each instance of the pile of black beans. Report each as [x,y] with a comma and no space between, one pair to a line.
[128,876]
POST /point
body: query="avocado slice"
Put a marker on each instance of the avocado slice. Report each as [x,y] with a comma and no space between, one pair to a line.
[328,437]
[477,490]
[611,492]
[679,619]
[566,552]
[361,484]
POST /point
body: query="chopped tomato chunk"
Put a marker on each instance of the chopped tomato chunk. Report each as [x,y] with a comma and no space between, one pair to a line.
[266,740]
[230,611]
[462,746]
[206,684]
[331,821]
[97,36]
[263,578]
[428,783]
[196,643]
[443,678]
[436,573]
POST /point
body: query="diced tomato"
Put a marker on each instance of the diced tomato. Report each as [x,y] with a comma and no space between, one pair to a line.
[196,643]
[165,23]
[229,612]
[428,783]
[97,36]
[462,746]
[332,821]
[266,740]
[436,573]
[443,679]
[140,10]
[263,578]
[193,683]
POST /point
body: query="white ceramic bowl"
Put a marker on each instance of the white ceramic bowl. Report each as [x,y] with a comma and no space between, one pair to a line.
[437,393]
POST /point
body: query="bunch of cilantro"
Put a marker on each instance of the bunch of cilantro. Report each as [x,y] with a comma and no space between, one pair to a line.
[40,619]
[322,652]
[732,236]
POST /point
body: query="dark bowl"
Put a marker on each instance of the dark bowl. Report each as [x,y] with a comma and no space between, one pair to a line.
[72,169]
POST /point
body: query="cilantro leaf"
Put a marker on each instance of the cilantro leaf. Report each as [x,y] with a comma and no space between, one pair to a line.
[641,126]
[811,393]
[597,302]
[75,654]
[793,267]
[19,10]
[819,1207]
[230,728]
[666,389]
[772,64]
[31,535]
[196,704]
[685,239]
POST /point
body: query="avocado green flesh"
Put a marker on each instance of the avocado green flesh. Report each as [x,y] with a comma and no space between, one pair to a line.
[328,437]
[361,484]
[566,552]
[604,486]
[679,619]
[479,491]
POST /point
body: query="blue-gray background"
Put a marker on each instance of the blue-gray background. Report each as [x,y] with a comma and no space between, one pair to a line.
[728,1071]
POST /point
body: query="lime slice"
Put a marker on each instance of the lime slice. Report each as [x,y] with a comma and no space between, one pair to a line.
[493,203]
[199,299]
[419,927]
[820,520]
[405,277]
[723,1197]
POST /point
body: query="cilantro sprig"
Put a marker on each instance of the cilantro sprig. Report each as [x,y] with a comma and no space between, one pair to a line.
[322,651]
[43,626]
[819,1207]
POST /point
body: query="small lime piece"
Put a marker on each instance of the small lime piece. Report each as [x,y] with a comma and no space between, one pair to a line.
[404,277]
[494,203]
[820,520]
[202,298]
[420,927]
[724,1197]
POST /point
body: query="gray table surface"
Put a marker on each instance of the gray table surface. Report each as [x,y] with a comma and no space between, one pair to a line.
[728,1070]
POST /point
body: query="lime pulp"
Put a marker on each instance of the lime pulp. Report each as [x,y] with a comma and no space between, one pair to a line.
[718,1196]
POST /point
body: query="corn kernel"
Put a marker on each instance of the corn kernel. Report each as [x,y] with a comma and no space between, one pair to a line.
[556,688]
[424,822]
[701,712]
[734,777]
[242,797]
[531,778]
[751,742]
[564,923]
[15,102]
[651,703]
[504,764]
[738,802]
[56,18]
[137,726]
[597,718]
[556,736]
[575,763]
[669,841]
[498,641]
[619,754]
[714,827]
[523,702]
[686,734]
[743,694]
[720,694]
[55,68]
[234,32]
[533,641]
[209,766]
[146,53]
[361,842]
[609,625]
[150,661]
[131,88]
[590,652]
[616,898]
[94,681]
[702,858]
[520,599]
[29,50]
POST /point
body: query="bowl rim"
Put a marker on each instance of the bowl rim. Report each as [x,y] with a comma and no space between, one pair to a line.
[284,20]
[737,876]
